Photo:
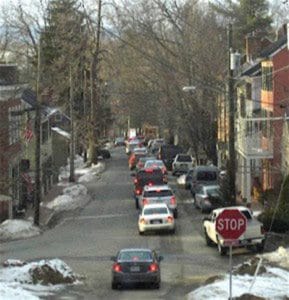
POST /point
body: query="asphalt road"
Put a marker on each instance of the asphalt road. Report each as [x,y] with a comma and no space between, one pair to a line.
[87,240]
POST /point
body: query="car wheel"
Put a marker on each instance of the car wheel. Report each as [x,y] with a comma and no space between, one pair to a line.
[156,285]
[260,247]
[136,204]
[208,240]
[222,250]
[175,214]
[114,285]
[173,231]
[141,232]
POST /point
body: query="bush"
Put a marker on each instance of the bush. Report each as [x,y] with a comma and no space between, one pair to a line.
[280,223]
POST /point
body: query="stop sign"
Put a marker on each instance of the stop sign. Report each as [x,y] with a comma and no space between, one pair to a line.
[231,224]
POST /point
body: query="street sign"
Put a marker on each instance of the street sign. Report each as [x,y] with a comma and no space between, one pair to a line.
[231,224]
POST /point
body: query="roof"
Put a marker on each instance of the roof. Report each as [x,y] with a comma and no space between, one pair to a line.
[29,97]
[274,47]
[155,205]
[61,132]
[157,187]
[252,70]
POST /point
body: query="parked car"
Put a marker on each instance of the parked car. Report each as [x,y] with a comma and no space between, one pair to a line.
[159,194]
[104,153]
[119,141]
[253,236]
[207,197]
[182,163]
[135,266]
[146,177]
[130,145]
[156,217]
[203,175]
[167,154]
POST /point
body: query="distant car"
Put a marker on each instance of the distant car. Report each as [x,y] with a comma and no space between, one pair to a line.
[203,175]
[159,194]
[182,163]
[119,141]
[156,217]
[104,153]
[136,266]
[156,163]
[130,145]
[147,177]
[141,162]
[167,153]
[205,196]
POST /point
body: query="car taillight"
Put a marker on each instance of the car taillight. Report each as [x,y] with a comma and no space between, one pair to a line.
[142,221]
[116,267]
[170,219]
[135,181]
[144,201]
[173,200]
[138,192]
[153,267]
[150,184]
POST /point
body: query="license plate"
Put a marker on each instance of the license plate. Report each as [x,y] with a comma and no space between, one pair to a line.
[134,269]
[156,221]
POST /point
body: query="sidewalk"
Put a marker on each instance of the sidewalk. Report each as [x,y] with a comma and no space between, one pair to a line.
[45,213]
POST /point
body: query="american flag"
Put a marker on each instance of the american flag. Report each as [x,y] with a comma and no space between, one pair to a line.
[28,132]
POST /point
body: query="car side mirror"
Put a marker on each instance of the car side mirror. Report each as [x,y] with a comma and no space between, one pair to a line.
[113,258]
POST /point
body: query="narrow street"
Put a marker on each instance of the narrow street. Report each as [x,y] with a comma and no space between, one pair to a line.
[108,223]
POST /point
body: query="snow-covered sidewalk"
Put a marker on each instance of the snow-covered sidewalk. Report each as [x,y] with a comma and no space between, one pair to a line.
[74,195]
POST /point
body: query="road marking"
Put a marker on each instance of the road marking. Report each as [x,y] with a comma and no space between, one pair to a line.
[96,217]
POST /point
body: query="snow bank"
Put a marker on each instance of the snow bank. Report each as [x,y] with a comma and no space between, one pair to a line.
[18,229]
[272,284]
[19,282]
[91,173]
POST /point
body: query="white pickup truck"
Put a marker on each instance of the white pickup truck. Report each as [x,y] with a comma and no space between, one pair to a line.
[253,236]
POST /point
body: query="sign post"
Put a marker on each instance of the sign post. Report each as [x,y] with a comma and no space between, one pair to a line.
[230,225]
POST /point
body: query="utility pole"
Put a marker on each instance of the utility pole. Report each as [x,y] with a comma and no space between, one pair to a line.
[71,152]
[37,195]
[230,95]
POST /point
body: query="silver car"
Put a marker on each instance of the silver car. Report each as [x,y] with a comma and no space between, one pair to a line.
[156,217]
[204,195]
[159,194]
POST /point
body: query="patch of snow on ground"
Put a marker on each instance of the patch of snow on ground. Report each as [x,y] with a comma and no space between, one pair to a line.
[17,229]
[16,281]
[181,180]
[75,190]
[280,256]
[91,173]
[271,285]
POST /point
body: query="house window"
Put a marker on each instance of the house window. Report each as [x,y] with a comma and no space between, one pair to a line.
[267,78]
[14,124]
[248,91]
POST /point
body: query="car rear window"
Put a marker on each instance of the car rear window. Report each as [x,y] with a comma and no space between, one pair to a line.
[161,193]
[135,255]
[207,175]
[246,214]
[184,158]
[155,211]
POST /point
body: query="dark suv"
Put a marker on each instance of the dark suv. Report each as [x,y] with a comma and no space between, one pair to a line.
[147,177]
[203,175]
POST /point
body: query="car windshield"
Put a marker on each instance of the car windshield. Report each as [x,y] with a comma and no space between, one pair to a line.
[158,193]
[152,164]
[135,255]
[155,211]
[213,190]
[207,175]
[184,158]
[246,214]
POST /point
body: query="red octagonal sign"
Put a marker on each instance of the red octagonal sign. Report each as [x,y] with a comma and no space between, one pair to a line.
[231,224]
